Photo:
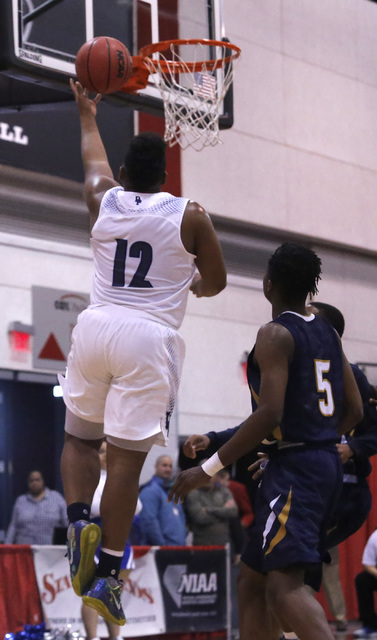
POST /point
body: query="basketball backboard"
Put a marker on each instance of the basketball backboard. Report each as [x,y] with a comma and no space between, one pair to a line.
[40,38]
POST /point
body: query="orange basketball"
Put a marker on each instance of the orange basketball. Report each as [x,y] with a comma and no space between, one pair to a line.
[103,65]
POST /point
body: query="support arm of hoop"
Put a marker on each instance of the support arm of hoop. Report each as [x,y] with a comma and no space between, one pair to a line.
[139,76]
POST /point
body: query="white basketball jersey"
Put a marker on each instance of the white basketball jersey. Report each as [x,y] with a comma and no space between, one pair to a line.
[139,259]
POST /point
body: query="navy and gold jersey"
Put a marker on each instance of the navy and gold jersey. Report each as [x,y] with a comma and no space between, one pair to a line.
[314,394]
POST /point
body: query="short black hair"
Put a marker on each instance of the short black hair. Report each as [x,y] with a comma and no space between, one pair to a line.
[331,314]
[145,161]
[296,270]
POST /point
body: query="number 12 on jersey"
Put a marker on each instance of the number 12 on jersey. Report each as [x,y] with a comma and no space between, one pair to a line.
[140,249]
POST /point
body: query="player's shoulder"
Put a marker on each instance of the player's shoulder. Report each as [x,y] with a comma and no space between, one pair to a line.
[273,331]
[194,212]
[273,343]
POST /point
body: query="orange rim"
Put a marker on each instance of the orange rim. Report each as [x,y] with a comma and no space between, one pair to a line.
[170,65]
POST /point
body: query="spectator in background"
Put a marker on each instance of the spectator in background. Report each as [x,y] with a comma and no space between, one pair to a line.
[241,497]
[239,524]
[161,522]
[238,530]
[366,585]
[209,511]
[36,513]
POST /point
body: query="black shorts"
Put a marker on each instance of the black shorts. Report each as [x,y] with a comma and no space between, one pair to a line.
[299,490]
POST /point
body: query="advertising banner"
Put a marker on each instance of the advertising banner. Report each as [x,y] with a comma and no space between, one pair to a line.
[194,588]
[142,598]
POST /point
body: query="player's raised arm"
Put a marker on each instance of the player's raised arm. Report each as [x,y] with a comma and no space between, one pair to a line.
[98,176]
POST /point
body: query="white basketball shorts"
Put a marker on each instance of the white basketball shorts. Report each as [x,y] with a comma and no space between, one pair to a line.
[123,370]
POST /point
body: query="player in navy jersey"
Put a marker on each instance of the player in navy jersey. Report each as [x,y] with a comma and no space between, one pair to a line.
[124,366]
[354,449]
[306,394]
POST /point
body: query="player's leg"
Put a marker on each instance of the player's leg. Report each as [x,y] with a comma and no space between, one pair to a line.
[333,590]
[294,606]
[80,469]
[80,464]
[90,621]
[118,506]
[255,617]
[120,495]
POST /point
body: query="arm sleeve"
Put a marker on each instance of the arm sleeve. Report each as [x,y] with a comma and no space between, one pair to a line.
[218,438]
[363,442]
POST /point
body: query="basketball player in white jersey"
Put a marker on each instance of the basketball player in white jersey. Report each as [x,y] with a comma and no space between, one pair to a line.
[126,357]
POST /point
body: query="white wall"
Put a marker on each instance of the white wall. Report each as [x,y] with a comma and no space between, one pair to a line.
[301,155]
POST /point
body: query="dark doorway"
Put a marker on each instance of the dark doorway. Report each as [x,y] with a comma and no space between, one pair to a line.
[31,436]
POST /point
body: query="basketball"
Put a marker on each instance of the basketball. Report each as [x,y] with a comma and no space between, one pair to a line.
[103,65]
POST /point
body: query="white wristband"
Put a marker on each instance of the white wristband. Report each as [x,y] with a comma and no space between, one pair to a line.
[212,465]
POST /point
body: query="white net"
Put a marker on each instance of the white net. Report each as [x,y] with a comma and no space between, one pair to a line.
[192,92]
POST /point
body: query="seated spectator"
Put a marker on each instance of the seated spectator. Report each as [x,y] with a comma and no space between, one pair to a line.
[161,522]
[36,514]
[209,511]
[366,585]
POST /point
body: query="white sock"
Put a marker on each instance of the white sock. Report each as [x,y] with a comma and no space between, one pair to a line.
[118,554]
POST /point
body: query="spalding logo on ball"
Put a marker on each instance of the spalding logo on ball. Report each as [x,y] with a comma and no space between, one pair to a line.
[103,65]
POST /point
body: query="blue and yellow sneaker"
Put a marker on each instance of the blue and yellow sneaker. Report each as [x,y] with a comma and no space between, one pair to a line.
[82,541]
[104,595]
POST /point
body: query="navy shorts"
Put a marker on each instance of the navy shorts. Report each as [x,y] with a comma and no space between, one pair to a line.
[354,505]
[299,490]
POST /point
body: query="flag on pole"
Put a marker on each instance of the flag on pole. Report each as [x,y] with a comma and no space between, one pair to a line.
[204,86]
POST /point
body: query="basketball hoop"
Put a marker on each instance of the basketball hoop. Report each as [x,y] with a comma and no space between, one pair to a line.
[192,91]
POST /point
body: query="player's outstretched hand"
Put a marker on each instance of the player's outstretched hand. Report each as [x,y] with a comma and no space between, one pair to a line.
[195,443]
[84,103]
[186,482]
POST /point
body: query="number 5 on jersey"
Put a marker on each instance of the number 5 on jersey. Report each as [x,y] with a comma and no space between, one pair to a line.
[326,405]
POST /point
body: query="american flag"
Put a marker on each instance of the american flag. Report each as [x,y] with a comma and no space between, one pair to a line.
[204,85]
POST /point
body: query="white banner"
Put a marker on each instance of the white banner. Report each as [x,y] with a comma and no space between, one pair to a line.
[141,599]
